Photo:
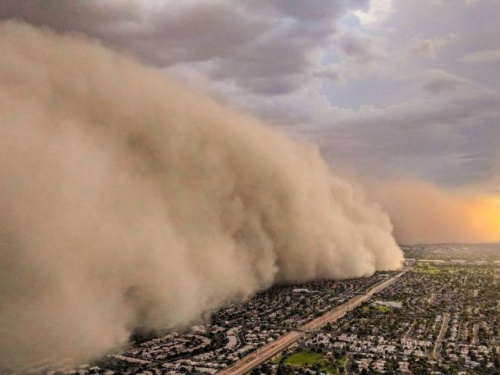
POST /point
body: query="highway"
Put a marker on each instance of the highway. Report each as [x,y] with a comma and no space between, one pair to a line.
[246,364]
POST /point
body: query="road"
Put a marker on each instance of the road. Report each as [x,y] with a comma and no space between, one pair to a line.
[475,330]
[409,330]
[246,364]
[439,340]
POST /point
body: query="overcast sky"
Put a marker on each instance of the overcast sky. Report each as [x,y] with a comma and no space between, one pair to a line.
[393,88]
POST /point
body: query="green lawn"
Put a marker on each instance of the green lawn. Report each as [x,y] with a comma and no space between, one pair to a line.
[303,358]
[427,268]
[383,308]
[308,359]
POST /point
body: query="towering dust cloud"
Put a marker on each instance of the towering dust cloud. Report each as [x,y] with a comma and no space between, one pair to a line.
[127,201]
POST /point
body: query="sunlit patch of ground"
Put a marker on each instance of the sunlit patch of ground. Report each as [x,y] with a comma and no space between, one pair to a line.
[325,363]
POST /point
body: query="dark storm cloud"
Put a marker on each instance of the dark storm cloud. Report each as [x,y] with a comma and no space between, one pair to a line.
[263,46]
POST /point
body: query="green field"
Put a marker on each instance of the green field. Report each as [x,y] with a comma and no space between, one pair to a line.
[303,358]
[427,268]
[306,358]
[382,309]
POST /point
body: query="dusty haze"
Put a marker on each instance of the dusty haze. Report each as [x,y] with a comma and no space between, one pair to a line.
[425,213]
[127,201]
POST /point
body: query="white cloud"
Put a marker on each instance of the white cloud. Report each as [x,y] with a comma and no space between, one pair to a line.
[378,11]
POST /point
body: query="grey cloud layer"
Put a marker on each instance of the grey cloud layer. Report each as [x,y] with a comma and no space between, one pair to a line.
[309,63]
[265,47]
[298,62]
[451,139]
